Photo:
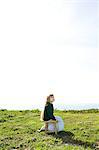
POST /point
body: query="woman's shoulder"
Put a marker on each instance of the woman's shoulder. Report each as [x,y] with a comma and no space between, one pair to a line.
[48,104]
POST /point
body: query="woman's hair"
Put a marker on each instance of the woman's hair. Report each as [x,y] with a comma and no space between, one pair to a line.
[47,101]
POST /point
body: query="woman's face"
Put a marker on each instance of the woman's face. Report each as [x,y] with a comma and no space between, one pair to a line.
[52,99]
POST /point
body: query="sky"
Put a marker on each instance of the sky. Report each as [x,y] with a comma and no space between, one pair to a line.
[49,46]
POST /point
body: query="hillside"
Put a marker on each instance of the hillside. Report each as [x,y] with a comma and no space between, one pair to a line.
[18,130]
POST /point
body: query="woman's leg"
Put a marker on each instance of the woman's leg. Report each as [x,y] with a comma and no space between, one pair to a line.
[42,128]
[55,128]
[46,126]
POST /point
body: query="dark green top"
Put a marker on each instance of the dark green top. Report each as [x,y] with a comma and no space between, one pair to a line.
[48,112]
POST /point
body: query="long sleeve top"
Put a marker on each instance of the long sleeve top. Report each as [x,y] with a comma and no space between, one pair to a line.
[48,112]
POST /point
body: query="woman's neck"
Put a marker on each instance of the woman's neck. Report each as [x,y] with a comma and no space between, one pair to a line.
[49,102]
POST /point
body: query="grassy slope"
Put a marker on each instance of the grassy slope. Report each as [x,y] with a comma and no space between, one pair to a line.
[18,131]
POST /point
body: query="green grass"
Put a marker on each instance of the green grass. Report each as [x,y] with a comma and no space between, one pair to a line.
[18,130]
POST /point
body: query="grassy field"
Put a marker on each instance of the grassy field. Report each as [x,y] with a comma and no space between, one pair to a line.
[18,130]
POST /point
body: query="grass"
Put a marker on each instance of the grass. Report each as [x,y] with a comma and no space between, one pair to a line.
[18,130]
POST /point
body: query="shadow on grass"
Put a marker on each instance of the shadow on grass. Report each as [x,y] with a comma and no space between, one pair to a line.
[68,138]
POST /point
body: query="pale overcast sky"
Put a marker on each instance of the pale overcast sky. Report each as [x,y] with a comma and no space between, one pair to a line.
[49,46]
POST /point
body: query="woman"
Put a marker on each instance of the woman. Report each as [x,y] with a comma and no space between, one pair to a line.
[48,116]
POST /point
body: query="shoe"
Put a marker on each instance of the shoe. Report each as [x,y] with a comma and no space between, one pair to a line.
[39,130]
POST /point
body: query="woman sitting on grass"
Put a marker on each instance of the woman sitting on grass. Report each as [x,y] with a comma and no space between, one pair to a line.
[52,123]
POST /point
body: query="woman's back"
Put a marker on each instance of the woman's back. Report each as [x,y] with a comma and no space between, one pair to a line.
[48,112]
